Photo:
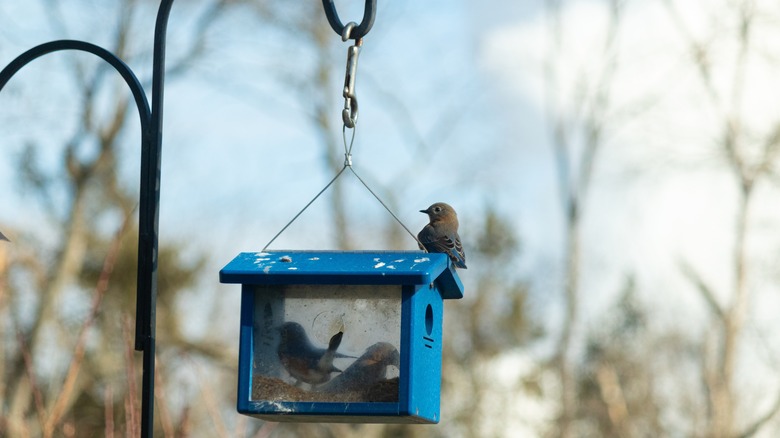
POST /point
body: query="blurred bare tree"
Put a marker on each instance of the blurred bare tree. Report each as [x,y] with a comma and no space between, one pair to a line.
[578,121]
[749,148]
[68,297]
[618,384]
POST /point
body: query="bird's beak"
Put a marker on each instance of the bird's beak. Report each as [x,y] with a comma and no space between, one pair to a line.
[424,211]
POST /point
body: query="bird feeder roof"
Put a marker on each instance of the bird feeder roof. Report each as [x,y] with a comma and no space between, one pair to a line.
[344,267]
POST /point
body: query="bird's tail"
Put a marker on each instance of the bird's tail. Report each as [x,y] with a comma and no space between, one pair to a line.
[335,341]
[326,361]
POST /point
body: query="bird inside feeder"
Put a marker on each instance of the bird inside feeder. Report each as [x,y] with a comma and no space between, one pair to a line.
[326,344]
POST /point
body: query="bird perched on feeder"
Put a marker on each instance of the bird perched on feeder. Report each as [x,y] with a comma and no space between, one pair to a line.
[367,370]
[441,234]
[304,361]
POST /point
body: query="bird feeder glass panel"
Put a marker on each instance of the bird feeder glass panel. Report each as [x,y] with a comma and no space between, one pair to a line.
[326,344]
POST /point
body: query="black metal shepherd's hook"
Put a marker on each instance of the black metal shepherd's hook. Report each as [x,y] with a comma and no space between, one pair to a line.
[149,208]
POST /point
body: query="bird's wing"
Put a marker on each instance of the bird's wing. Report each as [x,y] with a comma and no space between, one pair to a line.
[434,243]
[459,257]
[445,243]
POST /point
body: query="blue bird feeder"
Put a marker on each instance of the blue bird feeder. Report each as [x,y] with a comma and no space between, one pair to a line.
[342,337]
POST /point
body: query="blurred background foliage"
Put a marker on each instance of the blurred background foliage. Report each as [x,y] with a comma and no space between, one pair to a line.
[615,190]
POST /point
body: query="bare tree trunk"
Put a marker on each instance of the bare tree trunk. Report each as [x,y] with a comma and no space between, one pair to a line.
[719,366]
[575,161]
[722,392]
[566,375]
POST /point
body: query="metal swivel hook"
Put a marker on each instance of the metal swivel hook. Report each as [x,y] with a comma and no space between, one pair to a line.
[351,31]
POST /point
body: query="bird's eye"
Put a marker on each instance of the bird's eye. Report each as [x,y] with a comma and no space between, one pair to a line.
[437,209]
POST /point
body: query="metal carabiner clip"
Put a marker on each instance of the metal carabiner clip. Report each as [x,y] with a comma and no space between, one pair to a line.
[350,112]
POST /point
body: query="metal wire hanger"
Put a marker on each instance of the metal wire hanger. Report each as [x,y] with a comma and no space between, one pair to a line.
[349,114]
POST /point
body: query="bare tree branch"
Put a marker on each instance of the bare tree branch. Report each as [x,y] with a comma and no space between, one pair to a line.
[699,53]
[57,410]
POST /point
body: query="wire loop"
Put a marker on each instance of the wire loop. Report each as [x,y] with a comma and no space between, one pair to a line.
[347,164]
[350,113]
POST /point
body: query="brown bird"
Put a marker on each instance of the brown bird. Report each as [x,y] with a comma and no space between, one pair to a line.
[441,234]
[367,370]
[304,361]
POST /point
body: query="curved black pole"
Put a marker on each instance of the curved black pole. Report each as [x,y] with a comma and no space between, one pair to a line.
[55,46]
[149,208]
